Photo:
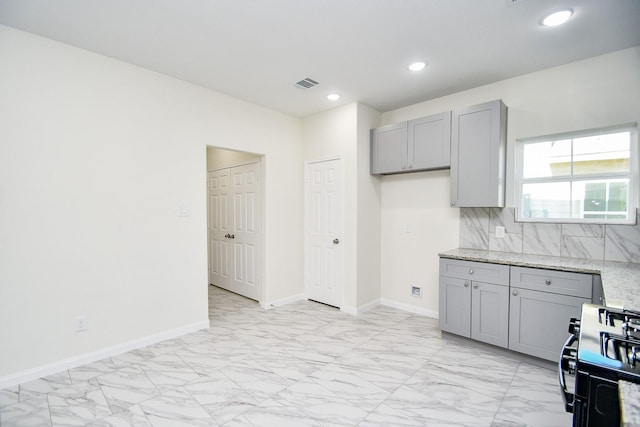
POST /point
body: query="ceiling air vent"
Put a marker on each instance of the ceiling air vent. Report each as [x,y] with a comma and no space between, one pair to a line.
[305,83]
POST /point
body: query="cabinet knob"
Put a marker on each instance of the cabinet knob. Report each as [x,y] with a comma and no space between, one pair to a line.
[475,286]
[515,292]
[453,203]
[547,282]
[466,284]
[471,271]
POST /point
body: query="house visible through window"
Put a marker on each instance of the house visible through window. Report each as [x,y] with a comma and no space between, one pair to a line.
[584,176]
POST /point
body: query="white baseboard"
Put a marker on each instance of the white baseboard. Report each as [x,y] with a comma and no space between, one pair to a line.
[349,309]
[410,308]
[82,359]
[283,301]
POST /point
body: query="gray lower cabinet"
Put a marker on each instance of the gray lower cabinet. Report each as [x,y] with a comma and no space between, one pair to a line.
[417,145]
[539,320]
[470,305]
[524,309]
[478,155]
[541,304]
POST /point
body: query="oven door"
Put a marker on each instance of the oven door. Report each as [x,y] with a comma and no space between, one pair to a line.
[567,367]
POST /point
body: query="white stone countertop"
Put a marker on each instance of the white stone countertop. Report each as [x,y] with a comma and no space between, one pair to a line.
[620,283]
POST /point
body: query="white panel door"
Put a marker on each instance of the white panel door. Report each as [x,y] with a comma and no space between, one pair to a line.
[245,232]
[219,227]
[324,254]
[234,229]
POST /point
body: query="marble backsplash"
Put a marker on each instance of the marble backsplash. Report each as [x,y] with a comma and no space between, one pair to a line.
[595,242]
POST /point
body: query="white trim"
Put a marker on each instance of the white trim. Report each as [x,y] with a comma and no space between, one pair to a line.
[282,301]
[82,359]
[257,159]
[410,308]
[355,311]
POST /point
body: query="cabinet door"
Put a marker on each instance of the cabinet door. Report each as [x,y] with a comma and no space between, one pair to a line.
[490,313]
[478,144]
[455,305]
[538,321]
[389,149]
[429,142]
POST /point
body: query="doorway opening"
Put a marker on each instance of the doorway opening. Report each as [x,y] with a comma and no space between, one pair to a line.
[235,188]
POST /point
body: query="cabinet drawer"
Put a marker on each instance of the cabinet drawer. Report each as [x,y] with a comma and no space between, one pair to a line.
[471,270]
[557,282]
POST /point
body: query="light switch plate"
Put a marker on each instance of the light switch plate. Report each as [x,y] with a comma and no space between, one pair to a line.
[499,231]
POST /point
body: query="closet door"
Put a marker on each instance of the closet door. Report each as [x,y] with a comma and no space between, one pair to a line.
[219,228]
[234,229]
[245,230]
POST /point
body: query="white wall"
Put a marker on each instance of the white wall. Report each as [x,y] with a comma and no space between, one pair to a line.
[96,157]
[369,213]
[596,92]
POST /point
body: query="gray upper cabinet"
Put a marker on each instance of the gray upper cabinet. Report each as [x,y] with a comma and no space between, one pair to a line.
[389,148]
[478,145]
[417,145]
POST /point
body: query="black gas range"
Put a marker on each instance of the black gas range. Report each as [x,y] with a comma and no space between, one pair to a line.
[604,347]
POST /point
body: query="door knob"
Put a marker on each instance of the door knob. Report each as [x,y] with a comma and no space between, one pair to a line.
[475,286]
[336,241]
[466,284]
[547,282]
[515,292]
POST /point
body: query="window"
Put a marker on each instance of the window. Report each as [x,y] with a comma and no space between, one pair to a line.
[587,176]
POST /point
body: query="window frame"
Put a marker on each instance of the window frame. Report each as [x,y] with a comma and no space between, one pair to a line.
[632,175]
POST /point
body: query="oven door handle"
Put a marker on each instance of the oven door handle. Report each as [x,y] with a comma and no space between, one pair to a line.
[565,355]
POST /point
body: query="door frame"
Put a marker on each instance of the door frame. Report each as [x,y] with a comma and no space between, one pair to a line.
[260,160]
[343,239]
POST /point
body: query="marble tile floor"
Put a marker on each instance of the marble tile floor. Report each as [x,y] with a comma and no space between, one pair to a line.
[303,364]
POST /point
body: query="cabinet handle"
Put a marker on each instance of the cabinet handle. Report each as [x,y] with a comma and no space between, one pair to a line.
[475,286]
[471,271]
[515,292]
[466,284]
[547,282]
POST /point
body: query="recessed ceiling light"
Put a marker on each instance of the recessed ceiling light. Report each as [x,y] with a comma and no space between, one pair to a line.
[557,18]
[333,97]
[417,66]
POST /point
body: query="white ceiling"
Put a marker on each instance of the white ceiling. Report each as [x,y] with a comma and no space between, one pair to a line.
[256,49]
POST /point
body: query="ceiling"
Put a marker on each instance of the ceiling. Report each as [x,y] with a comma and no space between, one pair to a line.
[256,49]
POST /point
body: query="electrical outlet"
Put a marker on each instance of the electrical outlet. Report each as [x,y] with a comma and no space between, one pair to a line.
[416,291]
[499,231]
[81,323]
